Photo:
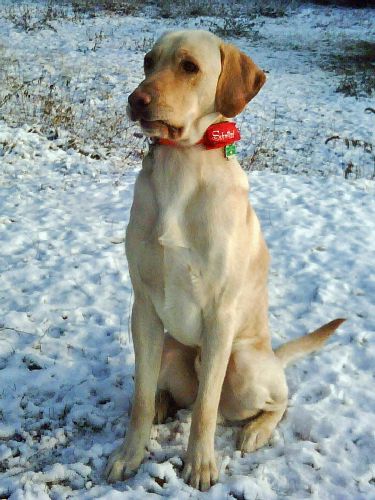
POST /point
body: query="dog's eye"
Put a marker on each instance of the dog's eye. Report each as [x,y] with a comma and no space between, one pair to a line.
[148,62]
[189,67]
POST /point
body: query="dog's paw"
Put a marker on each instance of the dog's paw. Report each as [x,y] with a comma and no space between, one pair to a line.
[164,407]
[253,435]
[200,469]
[122,463]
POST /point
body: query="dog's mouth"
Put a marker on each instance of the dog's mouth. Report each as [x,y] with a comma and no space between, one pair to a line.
[161,128]
[155,128]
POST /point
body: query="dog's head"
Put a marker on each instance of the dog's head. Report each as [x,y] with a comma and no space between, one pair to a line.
[192,78]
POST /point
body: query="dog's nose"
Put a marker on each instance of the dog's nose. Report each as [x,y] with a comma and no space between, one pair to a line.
[139,100]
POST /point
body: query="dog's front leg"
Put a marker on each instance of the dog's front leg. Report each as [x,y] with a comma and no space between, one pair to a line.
[200,469]
[148,336]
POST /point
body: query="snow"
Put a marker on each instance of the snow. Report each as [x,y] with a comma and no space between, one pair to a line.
[66,358]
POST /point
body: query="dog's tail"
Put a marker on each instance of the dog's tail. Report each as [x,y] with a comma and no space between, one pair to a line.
[295,349]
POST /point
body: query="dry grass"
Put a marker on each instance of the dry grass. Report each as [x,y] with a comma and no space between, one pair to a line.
[57,107]
[354,62]
[361,148]
[27,16]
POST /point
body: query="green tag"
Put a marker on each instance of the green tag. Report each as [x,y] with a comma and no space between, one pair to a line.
[229,150]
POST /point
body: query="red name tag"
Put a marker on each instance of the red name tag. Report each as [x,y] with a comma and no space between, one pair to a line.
[221,134]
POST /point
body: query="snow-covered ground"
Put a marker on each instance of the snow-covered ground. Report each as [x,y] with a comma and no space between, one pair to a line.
[66,359]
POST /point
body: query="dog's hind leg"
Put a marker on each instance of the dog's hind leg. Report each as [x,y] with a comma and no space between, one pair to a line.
[258,431]
[254,388]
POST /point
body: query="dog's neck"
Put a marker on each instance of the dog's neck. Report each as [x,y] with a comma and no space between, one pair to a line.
[195,131]
[216,136]
[219,135]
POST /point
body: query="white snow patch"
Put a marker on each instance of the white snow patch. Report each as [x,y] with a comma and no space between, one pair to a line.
[66,359]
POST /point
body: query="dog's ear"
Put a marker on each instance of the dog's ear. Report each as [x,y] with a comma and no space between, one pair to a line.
[240,80]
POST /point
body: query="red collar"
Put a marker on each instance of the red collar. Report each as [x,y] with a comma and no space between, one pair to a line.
[216,136]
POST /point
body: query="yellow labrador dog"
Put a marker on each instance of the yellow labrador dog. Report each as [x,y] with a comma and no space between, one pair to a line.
[198,263]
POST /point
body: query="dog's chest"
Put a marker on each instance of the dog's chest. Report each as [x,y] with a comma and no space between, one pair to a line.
[176,250]
[181,311]
[184,277]
[179,250]
[171,270]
